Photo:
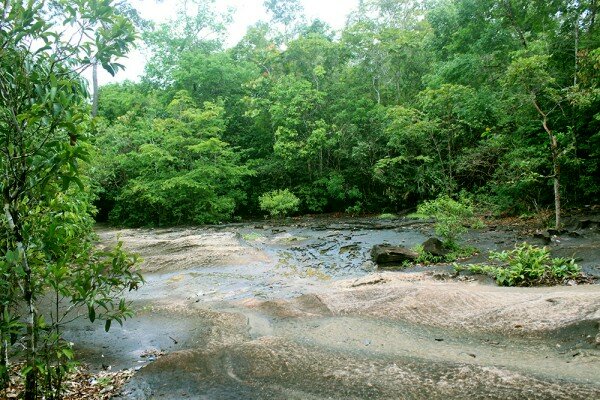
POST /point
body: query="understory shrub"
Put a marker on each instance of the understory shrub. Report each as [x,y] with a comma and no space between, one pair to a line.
[452,217]
[526,265]
[279,203]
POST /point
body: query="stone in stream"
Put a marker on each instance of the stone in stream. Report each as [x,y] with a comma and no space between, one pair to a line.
[386,254]
[435,247]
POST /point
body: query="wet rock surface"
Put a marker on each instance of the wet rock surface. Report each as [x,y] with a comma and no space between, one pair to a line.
[297,311]
[385,255]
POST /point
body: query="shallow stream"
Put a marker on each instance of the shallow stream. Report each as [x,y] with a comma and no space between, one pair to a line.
[298,311]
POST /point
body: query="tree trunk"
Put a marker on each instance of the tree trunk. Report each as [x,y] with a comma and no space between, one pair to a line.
[556,168]
[576,51]
[555,160]
[593,11]
[557,195]
[27,287]
[31,377]
[513,20]
[4,336]
[95,88]
[376,89]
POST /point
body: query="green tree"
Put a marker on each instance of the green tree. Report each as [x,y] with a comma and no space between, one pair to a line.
[47,242]
[411,99]
[197,27]
[287,16]
[171,170]
[410,170]
[451,218]
[529,75]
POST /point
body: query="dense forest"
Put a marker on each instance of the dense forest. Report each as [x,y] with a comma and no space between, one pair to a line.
[497,100]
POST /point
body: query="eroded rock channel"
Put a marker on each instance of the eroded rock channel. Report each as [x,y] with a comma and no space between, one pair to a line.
[297,311]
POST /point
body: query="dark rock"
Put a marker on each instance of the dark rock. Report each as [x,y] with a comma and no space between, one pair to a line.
[385,254]
[369,280]
[588,224]
[349,248]
[545,236]
[556,232]
[441,276]
[435,247]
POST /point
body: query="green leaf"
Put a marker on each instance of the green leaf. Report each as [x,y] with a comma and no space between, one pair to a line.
[68,353]
[12,256]
[107,325]
[108,67]
[91,313]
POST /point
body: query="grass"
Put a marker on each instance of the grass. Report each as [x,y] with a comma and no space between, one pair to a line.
[454,254]
[252,236]
[387,216]
[417,215]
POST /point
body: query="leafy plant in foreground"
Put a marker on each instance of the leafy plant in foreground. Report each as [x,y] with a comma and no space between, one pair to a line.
[49,265]
[526,265]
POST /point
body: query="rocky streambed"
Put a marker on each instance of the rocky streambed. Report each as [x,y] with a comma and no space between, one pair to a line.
[298,311]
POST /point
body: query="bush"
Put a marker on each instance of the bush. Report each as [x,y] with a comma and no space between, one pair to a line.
[451,216]
[279,203]
[356,209]
[526,265]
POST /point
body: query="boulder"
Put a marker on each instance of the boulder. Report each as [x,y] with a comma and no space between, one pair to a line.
[547,235]
[557,232]
[435,247]
[385,254]
[589,224]
[544,236]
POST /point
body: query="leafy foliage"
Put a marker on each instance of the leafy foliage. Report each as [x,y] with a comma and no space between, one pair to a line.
[172,170]
[47,249]
[279,203]
[410,99]
[451,218]
[526,265]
